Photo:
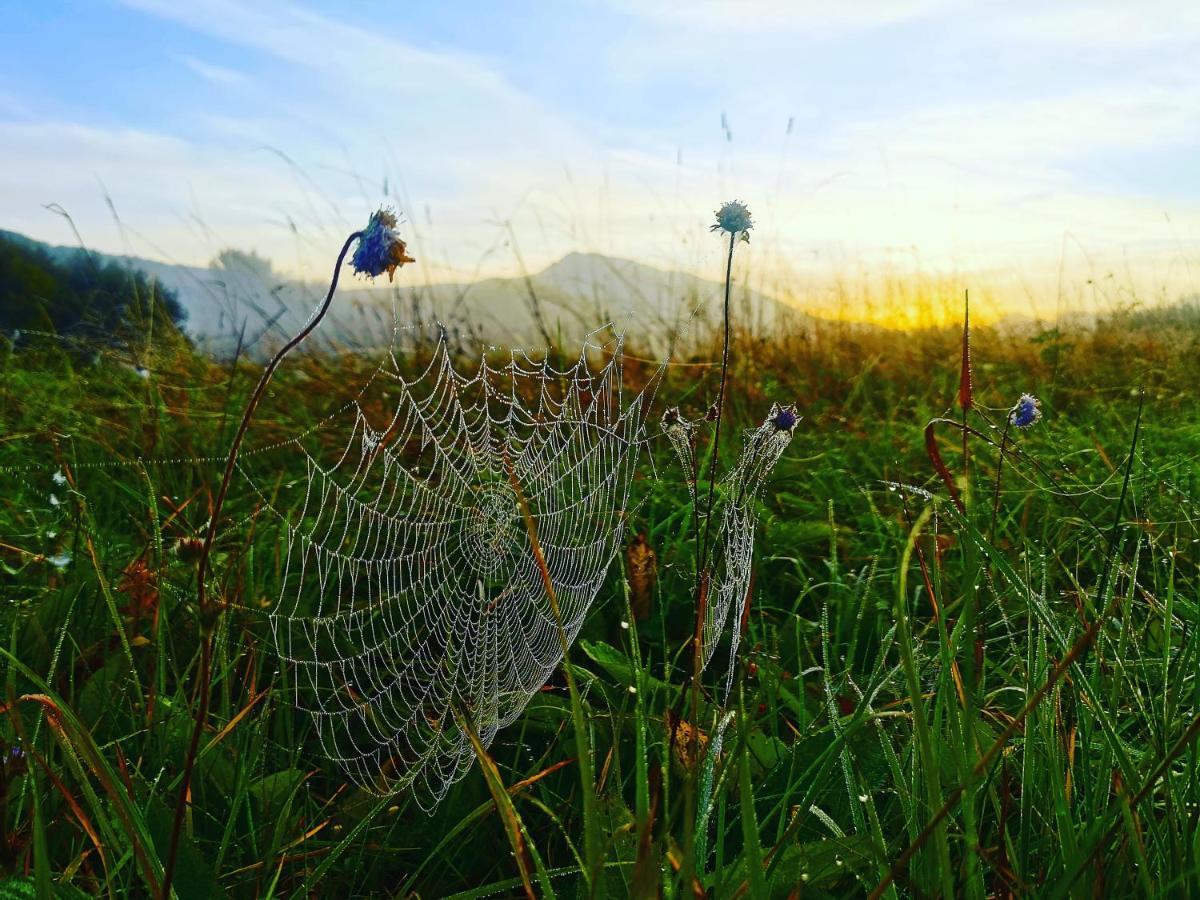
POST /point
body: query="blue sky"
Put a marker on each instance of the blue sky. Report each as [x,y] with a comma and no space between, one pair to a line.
[950,136]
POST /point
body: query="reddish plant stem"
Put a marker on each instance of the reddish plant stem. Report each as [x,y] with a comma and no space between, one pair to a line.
[209,616]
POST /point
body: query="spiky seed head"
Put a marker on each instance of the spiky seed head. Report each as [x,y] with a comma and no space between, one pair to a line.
[734,218]
[784,418]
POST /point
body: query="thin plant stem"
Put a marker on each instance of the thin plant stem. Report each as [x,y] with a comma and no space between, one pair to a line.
[999,471]
[703,585]
[1081,646]
[965,390]
[716,444]
[210,613]
[1131,803]
[593,851]
[702,570]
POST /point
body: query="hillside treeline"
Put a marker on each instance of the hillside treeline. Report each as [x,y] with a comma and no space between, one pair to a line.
[79,296]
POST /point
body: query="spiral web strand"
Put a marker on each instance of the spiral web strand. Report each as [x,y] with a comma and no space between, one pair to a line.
[411,592]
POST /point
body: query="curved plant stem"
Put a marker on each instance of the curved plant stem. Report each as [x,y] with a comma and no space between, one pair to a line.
[210,613]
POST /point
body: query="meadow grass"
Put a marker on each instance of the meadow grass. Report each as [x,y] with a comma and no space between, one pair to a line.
[997,700]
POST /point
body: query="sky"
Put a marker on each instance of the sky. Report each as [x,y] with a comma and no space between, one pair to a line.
[1026,149]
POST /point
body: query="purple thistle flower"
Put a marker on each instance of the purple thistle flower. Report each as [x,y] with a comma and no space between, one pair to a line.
[1026,413]
[380,248]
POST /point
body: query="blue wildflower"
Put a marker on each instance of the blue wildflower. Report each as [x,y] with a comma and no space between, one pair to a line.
[379,247]
[784,419]
[734,218]
[1027,411]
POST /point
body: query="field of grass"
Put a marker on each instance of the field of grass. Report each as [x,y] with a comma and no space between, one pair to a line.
[957,678]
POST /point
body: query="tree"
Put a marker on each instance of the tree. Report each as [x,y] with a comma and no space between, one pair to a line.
[79,297]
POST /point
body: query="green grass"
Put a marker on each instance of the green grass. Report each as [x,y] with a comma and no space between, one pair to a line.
[892,641]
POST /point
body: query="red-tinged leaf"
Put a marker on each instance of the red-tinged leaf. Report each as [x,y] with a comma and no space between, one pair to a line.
[140,584]
[504,806]
[935,457]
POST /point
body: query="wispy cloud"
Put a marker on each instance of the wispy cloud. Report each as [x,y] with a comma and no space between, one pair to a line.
[760,15]
[378,66]
[219,75]
[1111,25]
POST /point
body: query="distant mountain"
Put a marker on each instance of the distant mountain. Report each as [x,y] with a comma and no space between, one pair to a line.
[239,300]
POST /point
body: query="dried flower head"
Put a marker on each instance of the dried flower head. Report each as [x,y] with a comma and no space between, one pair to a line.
[1026,412]
[734,218]
[643,571]
[672,418]
[189,549]
[380,248]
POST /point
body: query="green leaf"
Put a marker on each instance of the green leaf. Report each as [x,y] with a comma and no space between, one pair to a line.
[194,878]
[270,790]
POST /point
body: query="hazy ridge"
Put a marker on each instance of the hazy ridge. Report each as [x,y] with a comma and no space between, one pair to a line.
[240,300]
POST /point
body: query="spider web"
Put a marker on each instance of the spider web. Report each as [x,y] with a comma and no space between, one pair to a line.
[738,524]
[411,593]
